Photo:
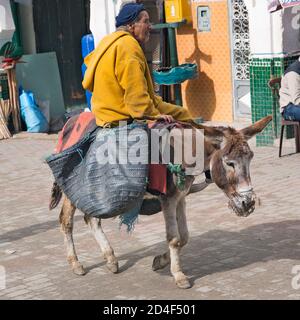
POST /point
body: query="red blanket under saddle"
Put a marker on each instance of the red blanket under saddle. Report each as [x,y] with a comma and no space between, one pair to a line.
[75,129]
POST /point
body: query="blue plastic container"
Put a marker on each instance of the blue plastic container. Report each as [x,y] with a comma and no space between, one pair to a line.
[31,114]
[87,46]
[176,75]
[88,94]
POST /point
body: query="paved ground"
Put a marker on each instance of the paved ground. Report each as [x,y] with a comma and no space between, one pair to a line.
[227,257]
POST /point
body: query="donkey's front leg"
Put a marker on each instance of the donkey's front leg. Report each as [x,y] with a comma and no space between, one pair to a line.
[161,261]
[182,224]
[173,237]
[66,222]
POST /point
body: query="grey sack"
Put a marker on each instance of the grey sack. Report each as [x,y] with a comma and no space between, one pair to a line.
[100,188]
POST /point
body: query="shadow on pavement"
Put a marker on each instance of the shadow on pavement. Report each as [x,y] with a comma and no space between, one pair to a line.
[219,250]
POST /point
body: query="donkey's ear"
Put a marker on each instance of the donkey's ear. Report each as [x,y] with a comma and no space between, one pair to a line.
[255,128]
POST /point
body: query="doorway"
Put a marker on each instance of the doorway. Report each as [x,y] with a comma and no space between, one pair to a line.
[59,26]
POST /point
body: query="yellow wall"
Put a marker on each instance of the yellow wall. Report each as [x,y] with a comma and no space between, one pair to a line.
[210,95]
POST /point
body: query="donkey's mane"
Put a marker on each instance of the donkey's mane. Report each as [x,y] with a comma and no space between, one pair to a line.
[235,143]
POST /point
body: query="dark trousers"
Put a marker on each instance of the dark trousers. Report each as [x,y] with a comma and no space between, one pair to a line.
[291,112]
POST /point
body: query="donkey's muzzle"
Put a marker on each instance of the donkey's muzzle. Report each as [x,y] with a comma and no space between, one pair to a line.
[243,204]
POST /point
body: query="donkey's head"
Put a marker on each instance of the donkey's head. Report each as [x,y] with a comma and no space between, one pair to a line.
[230,163]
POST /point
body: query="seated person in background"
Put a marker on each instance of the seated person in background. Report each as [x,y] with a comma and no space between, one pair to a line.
[290,92]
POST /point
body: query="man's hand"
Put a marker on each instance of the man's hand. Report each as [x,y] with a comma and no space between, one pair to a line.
[167,118]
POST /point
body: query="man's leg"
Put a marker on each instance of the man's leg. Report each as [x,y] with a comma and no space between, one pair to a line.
[292,112]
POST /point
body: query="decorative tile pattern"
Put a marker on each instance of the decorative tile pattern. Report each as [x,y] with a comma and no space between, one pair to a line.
[241,42]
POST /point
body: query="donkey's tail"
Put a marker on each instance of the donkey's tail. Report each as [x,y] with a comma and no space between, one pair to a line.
[55,197]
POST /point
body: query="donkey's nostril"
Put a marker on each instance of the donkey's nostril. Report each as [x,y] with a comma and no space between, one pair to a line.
[248,203]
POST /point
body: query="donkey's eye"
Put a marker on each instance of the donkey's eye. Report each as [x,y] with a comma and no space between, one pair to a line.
[230,164]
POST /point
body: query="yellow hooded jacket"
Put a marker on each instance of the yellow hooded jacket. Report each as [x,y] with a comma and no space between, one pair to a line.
[118,76]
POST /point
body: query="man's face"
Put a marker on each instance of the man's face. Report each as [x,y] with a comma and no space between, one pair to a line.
[141,29]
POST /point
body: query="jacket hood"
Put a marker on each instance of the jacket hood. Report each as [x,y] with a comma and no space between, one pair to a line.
[91,61]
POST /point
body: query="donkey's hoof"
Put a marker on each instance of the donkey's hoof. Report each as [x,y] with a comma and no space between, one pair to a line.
[156,263]
[159,263]
[113,267]
[183,283]
[79,270]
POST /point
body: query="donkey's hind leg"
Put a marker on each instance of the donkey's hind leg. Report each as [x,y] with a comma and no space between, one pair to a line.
[66,221]
[107,250]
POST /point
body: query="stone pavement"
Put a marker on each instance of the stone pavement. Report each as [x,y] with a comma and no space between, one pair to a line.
[227,257]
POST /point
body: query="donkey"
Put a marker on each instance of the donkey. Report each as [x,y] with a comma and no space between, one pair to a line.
[227,156]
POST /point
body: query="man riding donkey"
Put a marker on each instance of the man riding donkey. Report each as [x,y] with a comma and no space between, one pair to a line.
[119,78]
